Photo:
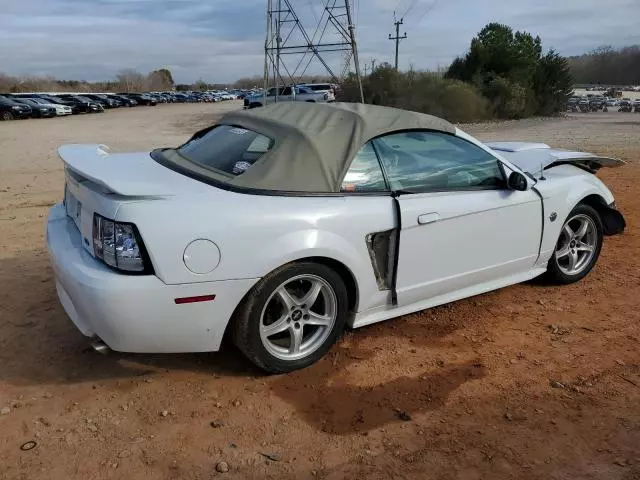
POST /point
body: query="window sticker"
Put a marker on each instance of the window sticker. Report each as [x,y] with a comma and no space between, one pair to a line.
[241,167]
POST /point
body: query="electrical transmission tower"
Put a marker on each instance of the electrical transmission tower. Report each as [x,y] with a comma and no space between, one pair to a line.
[287,39]
[397,38]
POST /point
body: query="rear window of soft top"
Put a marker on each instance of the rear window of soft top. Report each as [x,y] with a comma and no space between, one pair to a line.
[225,148]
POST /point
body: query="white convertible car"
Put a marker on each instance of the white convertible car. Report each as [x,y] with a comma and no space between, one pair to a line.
[280,226]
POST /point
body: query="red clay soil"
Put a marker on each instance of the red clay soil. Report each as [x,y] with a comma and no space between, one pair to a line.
[529,382]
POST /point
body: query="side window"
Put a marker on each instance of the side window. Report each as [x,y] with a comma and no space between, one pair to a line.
[271,92]
[421,160]
[285,91]
[364,174]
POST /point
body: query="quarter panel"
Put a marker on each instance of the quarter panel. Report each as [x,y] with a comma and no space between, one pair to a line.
[257,234]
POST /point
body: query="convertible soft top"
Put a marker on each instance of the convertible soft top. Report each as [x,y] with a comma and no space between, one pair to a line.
[315,143]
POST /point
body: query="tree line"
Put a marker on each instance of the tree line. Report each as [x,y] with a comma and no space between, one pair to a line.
[127,80]
[504,74]
[607,66]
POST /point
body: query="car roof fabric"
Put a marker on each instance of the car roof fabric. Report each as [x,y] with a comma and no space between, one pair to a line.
[315,143]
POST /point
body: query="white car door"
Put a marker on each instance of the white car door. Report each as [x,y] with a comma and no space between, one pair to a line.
[460,224]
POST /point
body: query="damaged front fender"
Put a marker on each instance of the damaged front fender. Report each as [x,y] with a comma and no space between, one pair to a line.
[613,221]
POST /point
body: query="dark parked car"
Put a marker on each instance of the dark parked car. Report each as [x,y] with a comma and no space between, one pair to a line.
[104,100]
[625,106]
[126,102]
[37,110]
[10,109]
[84,104]
[156,97]
[55,100]
[141,98]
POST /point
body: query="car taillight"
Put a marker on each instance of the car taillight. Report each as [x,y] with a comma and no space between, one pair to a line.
[119,245]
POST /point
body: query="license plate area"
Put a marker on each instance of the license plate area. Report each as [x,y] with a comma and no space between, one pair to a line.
[73,207]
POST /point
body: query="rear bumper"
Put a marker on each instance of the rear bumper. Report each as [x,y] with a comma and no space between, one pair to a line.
[136,314]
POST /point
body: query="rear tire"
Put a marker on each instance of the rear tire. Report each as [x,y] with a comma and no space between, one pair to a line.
[578,246]
[292,317]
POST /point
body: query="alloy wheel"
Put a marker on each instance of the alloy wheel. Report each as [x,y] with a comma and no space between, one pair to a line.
[298,317]
[577,244]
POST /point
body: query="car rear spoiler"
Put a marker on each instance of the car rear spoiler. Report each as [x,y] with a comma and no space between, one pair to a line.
[125,174]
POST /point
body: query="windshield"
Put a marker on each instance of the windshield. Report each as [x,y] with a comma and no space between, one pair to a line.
[227,149]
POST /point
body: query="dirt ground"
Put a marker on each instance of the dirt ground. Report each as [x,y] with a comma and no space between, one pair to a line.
[529,382]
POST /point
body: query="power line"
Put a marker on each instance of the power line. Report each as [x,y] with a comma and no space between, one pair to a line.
[433,5]
[411,5]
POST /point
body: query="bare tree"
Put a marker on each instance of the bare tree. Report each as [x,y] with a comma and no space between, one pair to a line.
[130,80]
[160,80]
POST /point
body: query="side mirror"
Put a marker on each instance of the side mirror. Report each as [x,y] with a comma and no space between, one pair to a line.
[517,181]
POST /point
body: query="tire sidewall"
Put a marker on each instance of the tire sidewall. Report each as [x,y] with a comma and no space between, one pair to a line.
[6,116]
[554,270]
[247,322]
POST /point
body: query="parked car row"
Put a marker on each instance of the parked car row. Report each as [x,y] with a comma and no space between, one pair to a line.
[595,103]
[47,105]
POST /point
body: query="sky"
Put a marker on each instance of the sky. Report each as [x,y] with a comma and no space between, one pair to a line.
[222,40]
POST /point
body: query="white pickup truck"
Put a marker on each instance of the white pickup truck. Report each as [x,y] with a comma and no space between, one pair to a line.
[299,93]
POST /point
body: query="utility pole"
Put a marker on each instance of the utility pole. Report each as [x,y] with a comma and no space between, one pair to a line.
[397,38]
[373,65]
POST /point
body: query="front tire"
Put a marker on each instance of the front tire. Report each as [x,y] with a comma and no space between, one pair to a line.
[292,317]
[578,246]
[6,116]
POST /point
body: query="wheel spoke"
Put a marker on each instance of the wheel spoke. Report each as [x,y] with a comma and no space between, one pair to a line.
[563,252]
[312,295]
[319,320]
[568,231]
[289,300]
[584,247]
[296,339]
[573,261]
[278,326]
[582,231]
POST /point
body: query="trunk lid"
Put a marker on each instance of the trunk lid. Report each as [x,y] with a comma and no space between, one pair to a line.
[126,174]
[97,181]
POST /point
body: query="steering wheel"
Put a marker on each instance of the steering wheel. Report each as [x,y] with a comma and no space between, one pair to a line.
[477,177]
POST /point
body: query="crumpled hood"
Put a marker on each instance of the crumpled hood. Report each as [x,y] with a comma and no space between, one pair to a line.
[535,157]
[128,174]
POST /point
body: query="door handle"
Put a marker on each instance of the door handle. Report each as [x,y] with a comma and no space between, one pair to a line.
[428,218]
